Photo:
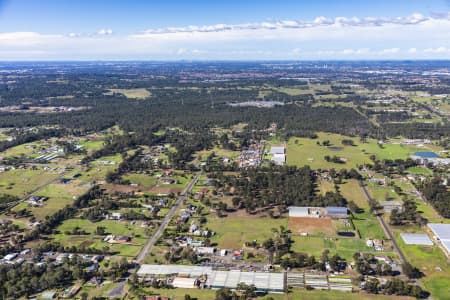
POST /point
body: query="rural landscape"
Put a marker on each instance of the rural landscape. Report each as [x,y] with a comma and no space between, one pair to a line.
[229,175]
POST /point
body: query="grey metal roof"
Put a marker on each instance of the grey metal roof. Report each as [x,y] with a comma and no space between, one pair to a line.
[173,269]
[336,210]
[277,150]
[298,211]
[416,239]
[442,231]
[261,280]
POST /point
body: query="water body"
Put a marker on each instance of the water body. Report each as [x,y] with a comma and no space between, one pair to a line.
[426,154]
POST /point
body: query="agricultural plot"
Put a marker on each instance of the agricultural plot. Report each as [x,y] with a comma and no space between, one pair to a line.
[313,226]
[345,247]
[139,93]
[351,191]
[117,228]
[20,182]
[232,232]
[58,195]
[306,151]
[381,192]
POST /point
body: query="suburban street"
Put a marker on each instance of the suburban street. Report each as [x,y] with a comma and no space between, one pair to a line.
[117,291]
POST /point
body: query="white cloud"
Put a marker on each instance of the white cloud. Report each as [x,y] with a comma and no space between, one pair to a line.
[413,19]
[437,50]
[323,38]
[104,32]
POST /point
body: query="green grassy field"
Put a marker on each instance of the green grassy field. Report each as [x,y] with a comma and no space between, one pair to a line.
[95,241]
[351,191]
[325,186]
[21,182]
[430,260]
[305,151]
[138,93]
[233,232]
[141,179]
[59,195]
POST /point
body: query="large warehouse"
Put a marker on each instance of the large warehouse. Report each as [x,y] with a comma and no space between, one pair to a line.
[185,276]
[263,281]
[441,233]
[164,270]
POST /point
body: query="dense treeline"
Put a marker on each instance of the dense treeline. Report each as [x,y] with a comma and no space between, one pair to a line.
[284,186]
[437,194]
[21,137]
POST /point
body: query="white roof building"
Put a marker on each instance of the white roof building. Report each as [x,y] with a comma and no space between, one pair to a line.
[184,282]
[277,150]
[416,239]
[442,233]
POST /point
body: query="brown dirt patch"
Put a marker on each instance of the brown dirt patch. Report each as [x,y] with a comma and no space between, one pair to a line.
[311,225]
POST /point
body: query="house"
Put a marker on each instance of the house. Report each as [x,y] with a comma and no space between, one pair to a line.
[389,206]
[115,216]
[205,250]
[167,180]
[9,257]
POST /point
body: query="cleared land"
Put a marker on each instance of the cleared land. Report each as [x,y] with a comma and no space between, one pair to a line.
[232,232]
[140,93]
[315,226]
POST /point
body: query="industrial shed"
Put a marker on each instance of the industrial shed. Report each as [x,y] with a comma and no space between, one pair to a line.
[164,270]
[442,234]
[184,282]
[416,239]
[337,212]
[264,282]
[305,212]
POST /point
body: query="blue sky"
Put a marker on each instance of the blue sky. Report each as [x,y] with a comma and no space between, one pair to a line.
[174,30]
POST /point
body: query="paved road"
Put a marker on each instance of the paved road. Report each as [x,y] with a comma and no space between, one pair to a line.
[117,291]
[388,232]
[167,219]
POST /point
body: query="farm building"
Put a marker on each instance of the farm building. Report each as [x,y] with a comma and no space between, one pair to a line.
[442,234]
[186,277]
[184,282]
[278,155]
[277,150]
[279,159]
[416,239]
[337,212]
[334,212]
[163,270]
[305,212]
[263,281]
[389,206]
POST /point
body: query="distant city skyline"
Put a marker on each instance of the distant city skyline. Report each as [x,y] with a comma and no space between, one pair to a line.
[224,30]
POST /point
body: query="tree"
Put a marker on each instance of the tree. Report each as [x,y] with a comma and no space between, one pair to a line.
[223,294]
[411,271]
